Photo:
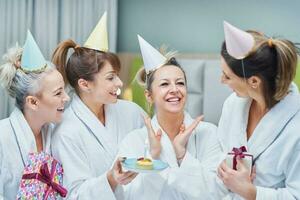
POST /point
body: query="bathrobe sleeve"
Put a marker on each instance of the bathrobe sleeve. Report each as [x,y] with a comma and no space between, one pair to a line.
[291,191]
[77,175]
[1,175]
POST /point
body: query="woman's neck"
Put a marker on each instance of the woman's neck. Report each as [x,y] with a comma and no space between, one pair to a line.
[259,105]
[95,107]
[170,123]
[257,111]
[35,123]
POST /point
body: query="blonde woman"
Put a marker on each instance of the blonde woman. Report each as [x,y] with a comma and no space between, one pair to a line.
[40,97]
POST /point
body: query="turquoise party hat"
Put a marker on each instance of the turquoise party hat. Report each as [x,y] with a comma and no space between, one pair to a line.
[32,58]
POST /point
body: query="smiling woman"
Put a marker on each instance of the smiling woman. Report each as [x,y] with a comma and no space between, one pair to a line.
[39,91]
[174,137]
[96,121]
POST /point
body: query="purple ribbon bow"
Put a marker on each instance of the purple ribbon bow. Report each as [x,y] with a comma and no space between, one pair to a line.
[47,178]
[238,152]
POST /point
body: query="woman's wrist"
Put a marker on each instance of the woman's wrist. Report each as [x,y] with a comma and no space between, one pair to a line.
[111,180]
[250,192]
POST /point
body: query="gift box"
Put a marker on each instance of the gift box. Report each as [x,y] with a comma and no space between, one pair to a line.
[241,152]
[42,178]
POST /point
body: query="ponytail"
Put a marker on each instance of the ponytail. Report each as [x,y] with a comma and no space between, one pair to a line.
[59,57]
[83,63]
[286,66]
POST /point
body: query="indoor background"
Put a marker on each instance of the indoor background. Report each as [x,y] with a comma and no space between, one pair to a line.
[194,28]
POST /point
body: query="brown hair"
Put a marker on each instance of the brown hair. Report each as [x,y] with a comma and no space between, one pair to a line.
[273,60]
[83,63]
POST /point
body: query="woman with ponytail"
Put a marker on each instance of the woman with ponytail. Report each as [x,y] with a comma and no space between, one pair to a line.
[263,115]
[96,121]
[38,89]
[259,120]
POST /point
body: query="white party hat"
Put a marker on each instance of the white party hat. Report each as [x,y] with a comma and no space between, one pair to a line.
[152,58]
[238,43]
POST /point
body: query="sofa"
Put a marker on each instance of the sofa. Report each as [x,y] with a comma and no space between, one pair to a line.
[206,94]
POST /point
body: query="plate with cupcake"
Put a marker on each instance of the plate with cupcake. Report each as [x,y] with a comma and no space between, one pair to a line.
[144,165]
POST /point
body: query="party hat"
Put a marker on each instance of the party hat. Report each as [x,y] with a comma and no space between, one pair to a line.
[32,57]
[238,43]
[152,58]
[98,39]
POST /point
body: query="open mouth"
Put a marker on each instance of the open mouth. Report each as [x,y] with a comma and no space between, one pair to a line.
[113,93]
[173,100]
[116,92]
[60,109]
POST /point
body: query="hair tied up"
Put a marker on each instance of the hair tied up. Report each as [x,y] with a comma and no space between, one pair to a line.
[270,42]
[17,64]
[77,46]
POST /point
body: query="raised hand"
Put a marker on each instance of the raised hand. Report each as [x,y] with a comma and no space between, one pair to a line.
[117,177]
[154,138]
[181,139]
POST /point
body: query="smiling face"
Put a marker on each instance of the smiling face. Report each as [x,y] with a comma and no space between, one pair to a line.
[168,90]
[52,98]
[237,84]
[105,85]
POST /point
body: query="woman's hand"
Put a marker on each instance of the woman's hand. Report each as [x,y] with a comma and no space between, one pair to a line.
[181,139]
[154,138]
[116,176]
[238,181]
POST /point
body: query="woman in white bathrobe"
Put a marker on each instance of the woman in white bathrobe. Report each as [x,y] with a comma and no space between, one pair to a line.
[171,134]
[262,114]
[87,140]
[40,100]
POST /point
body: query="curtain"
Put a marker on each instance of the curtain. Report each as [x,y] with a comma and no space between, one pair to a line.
[50,23]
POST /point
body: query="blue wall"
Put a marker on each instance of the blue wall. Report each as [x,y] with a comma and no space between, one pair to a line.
[195,26]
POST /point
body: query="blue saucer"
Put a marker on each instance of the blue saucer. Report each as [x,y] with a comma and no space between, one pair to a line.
[130,165]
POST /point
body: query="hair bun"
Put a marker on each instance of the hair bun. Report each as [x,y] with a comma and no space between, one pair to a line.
[8,69]
[140,77]
[13,56]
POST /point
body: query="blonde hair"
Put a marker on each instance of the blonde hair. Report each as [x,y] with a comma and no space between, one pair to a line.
[10,66]
[18,83]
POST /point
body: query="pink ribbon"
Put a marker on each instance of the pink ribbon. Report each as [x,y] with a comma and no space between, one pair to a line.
[47,178]
[238,152]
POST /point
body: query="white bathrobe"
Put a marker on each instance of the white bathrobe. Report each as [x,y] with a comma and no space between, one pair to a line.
[202,145]
[87,149]
[16,141]
[6,104]
[274,144]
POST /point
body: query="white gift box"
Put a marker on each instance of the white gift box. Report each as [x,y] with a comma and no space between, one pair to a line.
[241,153]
